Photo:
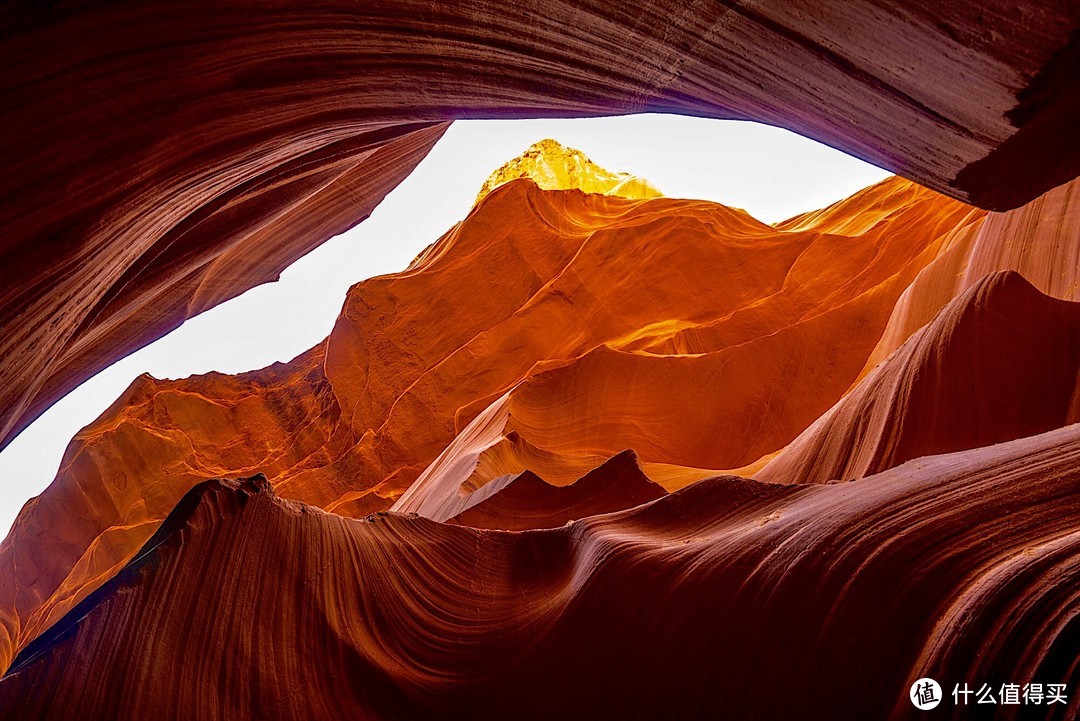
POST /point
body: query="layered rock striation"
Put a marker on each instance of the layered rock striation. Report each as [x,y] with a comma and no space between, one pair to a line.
[552,400]
[998,363]
[245,605]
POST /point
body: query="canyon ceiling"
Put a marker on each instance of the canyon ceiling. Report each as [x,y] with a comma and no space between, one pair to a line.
[162,158]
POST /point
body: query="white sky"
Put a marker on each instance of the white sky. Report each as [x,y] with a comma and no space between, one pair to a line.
[771,173]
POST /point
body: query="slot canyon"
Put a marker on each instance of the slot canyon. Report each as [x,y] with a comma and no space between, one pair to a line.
[598,451]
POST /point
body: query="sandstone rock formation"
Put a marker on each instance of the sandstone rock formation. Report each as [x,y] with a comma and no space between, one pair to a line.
[163,157]
[104,278]
[547,332]
[1000,362]
[1041,241]
[526,501]
[551,401]
[245,605]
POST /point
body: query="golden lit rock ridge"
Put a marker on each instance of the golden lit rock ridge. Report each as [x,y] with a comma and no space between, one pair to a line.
[553,166]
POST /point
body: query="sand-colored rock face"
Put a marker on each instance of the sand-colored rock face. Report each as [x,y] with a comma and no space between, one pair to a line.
[547,332]
[163,157]
[249,606]
[553,166]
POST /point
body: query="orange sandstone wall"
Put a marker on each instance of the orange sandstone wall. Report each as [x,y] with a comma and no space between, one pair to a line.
[611,324]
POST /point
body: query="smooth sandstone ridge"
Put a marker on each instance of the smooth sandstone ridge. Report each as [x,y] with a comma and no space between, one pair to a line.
[164,157]
[547,332]
[999,363]
[525,501]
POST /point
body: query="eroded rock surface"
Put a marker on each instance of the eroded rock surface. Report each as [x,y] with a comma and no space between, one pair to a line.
[548,331]
[246,605]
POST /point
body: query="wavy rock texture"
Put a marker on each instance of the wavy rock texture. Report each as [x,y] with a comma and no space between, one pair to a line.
[1000,362]
[558,327]
[1041,241]
[163,157]
[963,566]
[497,383]
[647,390]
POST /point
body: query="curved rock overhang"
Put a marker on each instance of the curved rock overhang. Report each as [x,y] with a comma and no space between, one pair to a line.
[164,157]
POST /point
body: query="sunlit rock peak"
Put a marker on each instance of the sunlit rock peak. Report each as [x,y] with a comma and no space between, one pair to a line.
[553,166]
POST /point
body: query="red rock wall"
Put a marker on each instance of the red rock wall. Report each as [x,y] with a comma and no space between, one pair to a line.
[730,598]
[87,291]
[162,158]
[525,501]
[547,332]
